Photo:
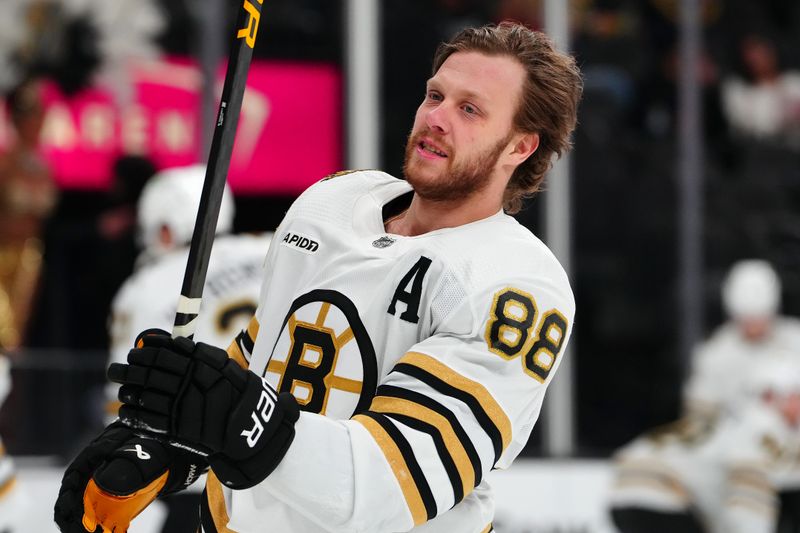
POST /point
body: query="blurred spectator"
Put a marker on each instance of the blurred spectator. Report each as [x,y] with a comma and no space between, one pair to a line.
[27,196]
[763,102]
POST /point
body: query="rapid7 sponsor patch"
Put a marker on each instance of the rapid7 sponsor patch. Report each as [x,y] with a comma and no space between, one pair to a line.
[299,242]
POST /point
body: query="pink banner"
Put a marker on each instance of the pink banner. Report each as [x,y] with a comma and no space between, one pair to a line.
[289,133]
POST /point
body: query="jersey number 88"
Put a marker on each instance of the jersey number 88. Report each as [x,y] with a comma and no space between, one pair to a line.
[509,332]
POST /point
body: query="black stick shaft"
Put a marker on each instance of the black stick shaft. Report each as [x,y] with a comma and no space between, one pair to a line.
[219,161]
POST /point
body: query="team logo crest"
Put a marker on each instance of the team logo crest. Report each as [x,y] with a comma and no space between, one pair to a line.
[324,356]
[383,242]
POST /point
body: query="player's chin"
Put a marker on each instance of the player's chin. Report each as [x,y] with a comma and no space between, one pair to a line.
[421,176]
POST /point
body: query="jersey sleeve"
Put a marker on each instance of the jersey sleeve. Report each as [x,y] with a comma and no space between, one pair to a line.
[458,404]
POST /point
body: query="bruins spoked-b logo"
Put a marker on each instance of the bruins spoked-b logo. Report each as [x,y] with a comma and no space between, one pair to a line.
[324,355]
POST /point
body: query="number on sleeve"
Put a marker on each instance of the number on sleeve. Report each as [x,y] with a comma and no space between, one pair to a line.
[510,326]
[508,332]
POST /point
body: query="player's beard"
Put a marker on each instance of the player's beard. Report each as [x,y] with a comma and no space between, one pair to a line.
[462,178]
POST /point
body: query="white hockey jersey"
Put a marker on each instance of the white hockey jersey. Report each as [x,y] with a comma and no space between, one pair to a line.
[149,297]
[428,355]
[727,471]
[719,375]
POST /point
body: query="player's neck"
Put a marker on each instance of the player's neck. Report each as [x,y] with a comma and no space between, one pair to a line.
[424,216]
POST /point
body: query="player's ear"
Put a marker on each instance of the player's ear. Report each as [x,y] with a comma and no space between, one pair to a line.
[525,145]
[165,237]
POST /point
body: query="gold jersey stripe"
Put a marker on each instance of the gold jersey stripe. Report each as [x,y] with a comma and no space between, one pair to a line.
[216,503]
[399,467]
[385,404]
[7,486]
[473,388]
[252,329]
[487,529]
[112,408]
[764,508]
[235,353]
[751,478]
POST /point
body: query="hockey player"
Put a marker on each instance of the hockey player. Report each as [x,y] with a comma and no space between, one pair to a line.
[723,480]
[751,297]
[166,213]
[405,336]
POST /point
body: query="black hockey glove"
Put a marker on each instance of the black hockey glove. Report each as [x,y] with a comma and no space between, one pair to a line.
[116,476]
[200,398]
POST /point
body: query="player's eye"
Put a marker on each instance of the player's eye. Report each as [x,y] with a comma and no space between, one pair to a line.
[435,96]
[469,109]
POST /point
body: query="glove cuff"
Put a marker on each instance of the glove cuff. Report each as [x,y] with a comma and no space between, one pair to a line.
[246,473]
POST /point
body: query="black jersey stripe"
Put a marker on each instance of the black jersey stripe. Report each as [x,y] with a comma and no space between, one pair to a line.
[407,453]
[206,521]
[470,470]
[250,334]
[443,379]
[441,449]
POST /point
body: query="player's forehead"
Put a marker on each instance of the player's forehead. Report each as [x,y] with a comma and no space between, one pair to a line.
[488,77]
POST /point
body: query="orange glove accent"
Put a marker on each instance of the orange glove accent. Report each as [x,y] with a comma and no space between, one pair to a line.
[114,513]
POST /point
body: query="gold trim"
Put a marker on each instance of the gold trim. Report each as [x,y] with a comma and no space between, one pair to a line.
[487,529]
[235,353]
[383,404]
[111,408]
[525,335]
[767,509]
[7,487]
[323,314]
[548,348]
[473,388]
[399,467]
[216,503]
[252,329]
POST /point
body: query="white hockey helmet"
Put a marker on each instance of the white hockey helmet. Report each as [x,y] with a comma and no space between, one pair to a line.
[752,289]
[171,198]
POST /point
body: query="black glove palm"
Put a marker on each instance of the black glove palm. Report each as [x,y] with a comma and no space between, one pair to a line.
[205,401]
[116,476]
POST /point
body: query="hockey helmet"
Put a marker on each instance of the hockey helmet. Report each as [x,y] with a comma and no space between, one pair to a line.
[752,289]
[170,199]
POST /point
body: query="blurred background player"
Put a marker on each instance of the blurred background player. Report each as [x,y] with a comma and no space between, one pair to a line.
[166,215]
[27,196]
[751,296]
[724,480]
[725,370]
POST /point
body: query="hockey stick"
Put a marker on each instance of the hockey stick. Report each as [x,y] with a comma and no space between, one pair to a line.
[219,160]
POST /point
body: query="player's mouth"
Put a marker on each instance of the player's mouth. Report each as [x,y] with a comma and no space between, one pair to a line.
[429,150]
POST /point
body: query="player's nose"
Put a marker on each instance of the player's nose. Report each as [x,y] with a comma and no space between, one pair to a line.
[437,119]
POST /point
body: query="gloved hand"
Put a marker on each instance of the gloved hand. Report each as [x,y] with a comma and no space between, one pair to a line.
[116,476]
[201,399]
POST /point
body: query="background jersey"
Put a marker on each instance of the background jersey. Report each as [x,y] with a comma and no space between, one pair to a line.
[728,471]
[149,298]
[723,364]
[441,345]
